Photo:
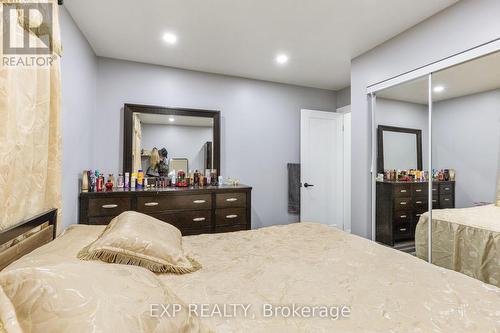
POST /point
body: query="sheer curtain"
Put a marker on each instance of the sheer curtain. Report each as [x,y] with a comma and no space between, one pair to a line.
[30,134]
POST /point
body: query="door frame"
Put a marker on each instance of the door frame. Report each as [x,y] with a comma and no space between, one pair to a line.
[303,113]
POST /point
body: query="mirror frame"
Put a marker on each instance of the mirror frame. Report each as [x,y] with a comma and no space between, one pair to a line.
[380,144]
[129,110]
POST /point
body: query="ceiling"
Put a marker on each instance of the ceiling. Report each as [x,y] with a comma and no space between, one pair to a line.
[162,119]
[469,78]
[243,37]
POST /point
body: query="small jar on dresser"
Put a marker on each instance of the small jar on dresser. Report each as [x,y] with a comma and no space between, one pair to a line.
[399,206]
[209,209]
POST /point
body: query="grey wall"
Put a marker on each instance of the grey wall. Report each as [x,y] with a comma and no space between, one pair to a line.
[260,125]
[180,142]
[465,25]
[343,97]
[78,71]
[466,137]
[404,114]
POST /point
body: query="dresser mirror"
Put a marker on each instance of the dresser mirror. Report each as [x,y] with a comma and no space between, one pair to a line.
[399,148]
[159,140]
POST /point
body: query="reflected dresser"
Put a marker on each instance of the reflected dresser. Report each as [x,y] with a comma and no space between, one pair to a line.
[400,205]
[209,209]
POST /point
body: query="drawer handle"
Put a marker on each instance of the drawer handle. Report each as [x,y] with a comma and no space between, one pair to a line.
[402,229]
[419,202]
[402,203]
[418,215]
[434,200]
[434,189]
[403,216]
[403,191]
[446,199]
[199,219]
[111,206]
[231,199]
[446,188]
[151,204]
[231,216]
[199,201]
[418,190]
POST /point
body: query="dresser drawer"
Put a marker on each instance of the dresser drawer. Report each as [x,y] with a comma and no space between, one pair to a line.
[421,203]
[446,201]
[402,217]
[419,190]
[230,228]
[402,203]
[226,200]
[445,189]
[160,203]
[230,216]
[110,206]
[192,219]
[402,190]
[103,220]
[402,231]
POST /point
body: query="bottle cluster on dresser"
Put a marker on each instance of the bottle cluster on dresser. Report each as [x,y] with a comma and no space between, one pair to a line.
[416,175]
[96,181]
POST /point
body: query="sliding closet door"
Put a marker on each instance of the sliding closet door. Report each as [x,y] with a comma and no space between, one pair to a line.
[401,146]
[465,163]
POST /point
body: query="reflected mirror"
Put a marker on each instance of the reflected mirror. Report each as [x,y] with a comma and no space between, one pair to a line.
[160,140]
[465,167]
[401,196]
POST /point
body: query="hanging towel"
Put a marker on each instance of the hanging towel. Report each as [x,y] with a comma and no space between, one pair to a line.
[293,188]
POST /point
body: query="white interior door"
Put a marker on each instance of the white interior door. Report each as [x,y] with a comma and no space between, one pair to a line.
[321,158]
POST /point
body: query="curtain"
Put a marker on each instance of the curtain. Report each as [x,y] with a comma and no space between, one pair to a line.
[30,134]
[136,144]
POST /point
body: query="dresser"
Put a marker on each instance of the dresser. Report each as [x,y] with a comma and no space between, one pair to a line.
[210,209]
[400,205]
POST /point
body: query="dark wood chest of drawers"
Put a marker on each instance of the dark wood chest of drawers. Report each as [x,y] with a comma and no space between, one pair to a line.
[400,205]
[194,211]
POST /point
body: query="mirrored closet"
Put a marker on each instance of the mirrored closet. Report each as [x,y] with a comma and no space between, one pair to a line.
[437,156]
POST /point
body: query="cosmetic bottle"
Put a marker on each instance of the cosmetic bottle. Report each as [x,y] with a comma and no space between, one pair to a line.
[140,179]
[119,183]
[126,182]
[85,181]
[133,180]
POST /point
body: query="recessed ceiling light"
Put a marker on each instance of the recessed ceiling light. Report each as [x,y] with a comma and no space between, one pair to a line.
[281,59]
[171,119]
[170,38]
[438,89]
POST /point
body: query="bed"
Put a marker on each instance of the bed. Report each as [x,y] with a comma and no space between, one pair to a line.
[466,240]
[307,264]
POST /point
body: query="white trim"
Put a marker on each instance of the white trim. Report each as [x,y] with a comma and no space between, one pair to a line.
[453,60]
[373,171]
[429,158]
[346,127]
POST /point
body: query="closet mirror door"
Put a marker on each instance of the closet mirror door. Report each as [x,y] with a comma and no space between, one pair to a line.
[465,163]
[401,118]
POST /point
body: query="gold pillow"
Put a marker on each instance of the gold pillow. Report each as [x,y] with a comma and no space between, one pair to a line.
[93,297]
[137,239]
[8,318]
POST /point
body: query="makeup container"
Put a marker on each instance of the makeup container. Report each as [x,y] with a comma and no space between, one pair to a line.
[120,183]
[126,182]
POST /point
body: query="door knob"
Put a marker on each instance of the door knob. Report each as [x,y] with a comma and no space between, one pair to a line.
[306,185]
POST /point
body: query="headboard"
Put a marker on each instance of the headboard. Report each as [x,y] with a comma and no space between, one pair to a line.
[26,236]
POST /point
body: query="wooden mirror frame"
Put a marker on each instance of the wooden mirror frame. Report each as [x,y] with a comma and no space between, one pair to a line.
[129,110]
[380,144]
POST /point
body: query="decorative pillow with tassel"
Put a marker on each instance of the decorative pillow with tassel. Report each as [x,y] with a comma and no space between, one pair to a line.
[137,239]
